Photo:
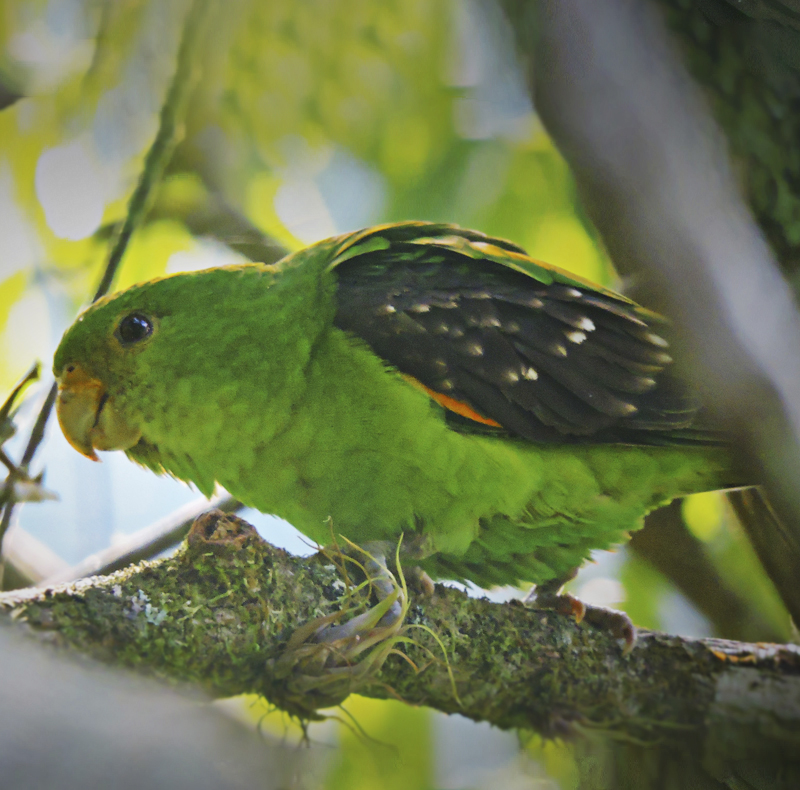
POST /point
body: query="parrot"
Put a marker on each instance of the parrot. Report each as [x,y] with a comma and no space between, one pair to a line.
[414,379]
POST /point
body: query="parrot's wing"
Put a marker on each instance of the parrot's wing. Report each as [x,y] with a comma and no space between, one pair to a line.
[508,343]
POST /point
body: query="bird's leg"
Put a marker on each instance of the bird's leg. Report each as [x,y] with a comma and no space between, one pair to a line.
[413,550]
[389,611]
[549,595]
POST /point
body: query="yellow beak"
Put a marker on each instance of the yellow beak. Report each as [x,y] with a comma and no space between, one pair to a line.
[87,417]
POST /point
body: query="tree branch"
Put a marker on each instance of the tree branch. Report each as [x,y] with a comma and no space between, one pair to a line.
[209,214]
[232,613]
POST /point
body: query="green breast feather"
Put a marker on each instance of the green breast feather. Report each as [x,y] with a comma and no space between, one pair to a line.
[411,378]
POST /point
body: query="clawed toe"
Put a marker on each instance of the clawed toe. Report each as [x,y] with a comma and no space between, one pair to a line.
[618,624]
[389,611]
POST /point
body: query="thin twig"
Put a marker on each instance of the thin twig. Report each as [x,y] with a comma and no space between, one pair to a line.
[5,409]
[37,434]
[7,462]
[169,131]
[212,216]
[14,472]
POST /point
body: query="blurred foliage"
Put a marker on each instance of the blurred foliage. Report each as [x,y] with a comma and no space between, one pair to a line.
[314,118]
[395,751]
[711,519]
[311,118]
[704,514]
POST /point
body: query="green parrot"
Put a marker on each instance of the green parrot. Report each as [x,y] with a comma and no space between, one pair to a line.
[504,416]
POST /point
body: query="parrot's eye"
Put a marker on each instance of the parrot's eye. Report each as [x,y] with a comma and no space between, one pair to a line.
[133,328]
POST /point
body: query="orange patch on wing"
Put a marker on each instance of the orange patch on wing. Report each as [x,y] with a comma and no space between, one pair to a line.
[457,406]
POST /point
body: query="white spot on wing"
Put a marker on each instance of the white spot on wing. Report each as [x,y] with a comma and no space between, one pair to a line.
[656,340]
[576,337]
[529,373]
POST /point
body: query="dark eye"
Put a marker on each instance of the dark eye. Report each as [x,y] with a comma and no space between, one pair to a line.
[133,328]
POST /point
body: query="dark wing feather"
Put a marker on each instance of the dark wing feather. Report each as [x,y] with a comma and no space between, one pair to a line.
[549,357]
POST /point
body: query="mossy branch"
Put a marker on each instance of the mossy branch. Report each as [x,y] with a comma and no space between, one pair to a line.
[232,613]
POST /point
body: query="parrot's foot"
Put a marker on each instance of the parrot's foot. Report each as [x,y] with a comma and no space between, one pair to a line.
[617,623]
[419,580]
[549,596]
[327,658]
[374,560]
[388,612]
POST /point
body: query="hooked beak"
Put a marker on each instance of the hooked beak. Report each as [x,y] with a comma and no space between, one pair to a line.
[86,416]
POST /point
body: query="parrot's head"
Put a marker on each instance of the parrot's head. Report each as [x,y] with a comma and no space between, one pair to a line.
[152,355]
